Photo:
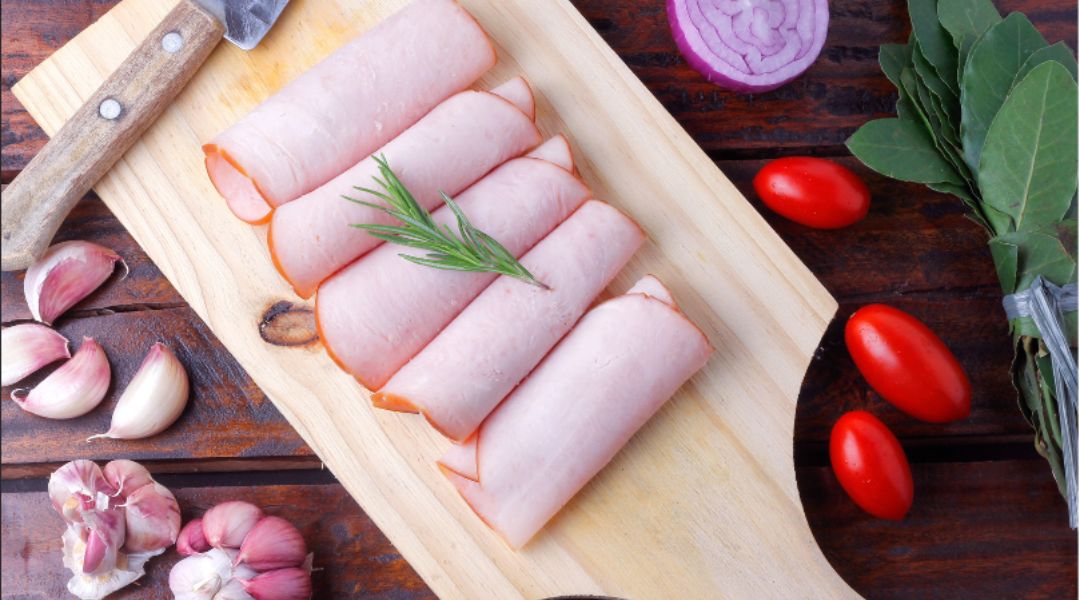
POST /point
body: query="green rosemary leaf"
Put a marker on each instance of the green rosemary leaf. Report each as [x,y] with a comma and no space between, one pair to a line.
[464,248]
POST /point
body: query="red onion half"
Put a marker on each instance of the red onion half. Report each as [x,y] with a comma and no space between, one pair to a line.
[749,45]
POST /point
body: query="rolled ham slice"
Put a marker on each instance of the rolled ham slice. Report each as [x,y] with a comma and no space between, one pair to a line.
[457,379]
[570,417]
[378,312]
[345,107]
[451,147]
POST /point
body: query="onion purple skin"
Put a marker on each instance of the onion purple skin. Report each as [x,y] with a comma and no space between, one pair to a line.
[712,75]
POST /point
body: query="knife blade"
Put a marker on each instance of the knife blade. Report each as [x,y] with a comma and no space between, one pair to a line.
[117,114]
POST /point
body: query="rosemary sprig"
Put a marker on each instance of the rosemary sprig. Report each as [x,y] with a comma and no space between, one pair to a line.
[469,249]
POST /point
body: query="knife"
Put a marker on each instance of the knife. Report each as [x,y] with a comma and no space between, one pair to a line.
[130,100]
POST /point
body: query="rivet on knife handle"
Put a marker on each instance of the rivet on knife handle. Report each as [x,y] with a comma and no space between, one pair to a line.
[99,133]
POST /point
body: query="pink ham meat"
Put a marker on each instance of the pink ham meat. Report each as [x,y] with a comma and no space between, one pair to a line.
[457,379]
[378,312]
[570,417]
[345,107]
[451,147]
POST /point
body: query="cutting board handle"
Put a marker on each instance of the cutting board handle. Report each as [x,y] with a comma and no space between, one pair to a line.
[88,145]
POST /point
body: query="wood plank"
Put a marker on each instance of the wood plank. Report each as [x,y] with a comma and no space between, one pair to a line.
[976,530]
[352,557]
[734,277]
[227,415]
[814,114]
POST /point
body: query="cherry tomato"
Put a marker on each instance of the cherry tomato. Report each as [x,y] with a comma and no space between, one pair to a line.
[813,191]
[871,465]
[907,364]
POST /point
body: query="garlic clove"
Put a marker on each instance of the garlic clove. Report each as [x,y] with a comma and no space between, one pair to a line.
[191,539]
[105,535]
[227,524]
[281,584]
[95,551]
[126,476]
[72,390]
[153,519]
[26,348]
[75,487]
[64,275]
[97,585]
[153,400]
[273,543]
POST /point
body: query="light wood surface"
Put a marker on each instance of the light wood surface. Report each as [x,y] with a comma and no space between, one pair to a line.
[702,502]
[103,129]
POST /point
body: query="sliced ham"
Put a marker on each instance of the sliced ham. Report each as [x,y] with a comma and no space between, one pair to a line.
[343,108]
[378,312]
[570,417]
[451,147]
[457,379]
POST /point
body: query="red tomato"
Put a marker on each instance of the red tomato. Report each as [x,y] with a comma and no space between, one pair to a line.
[871,465]
[813,191]
[907,364]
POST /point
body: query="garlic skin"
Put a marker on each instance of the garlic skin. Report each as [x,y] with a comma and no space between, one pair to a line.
[74,389]
[64,275]
[282,584]
[126,476]
[227,524]
[153,400]
[191,539]
[205,576]
[76,486]
[112,530]
[153,519]
[273,543]
[28,347]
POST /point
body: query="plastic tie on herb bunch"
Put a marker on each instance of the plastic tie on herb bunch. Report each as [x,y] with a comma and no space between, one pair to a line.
[1046,304]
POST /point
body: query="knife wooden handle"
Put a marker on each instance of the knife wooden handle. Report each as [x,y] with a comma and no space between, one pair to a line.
[88,145]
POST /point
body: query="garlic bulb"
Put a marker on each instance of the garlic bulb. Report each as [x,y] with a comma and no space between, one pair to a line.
[153,400]
[73,390]
[64,275]
[26,348]
[271,563]
[112,530]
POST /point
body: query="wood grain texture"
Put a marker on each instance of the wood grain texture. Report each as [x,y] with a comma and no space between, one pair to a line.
[353,559]
[733,275]
[909,233]
[102,129]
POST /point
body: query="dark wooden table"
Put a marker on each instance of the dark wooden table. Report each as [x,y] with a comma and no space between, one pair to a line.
[987,521]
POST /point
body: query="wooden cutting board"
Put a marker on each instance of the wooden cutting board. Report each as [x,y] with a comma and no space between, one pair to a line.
[701,504]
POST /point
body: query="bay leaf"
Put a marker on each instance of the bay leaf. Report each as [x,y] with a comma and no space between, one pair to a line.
[1028,167]
[893,58]
[929,78]
[994,61]
[1006,257]
[966,20]
[934,120]
[901,149]
[1049,251]
[933,39]
[1059,52]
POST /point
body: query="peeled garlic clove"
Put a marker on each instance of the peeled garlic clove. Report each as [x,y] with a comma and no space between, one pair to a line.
[66,274]
[191,539]
[281,584]
[273,543]
[26,348]
[153,400]
[153,519]
[72,390]
[76,486]
[227,524]
[126,476]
